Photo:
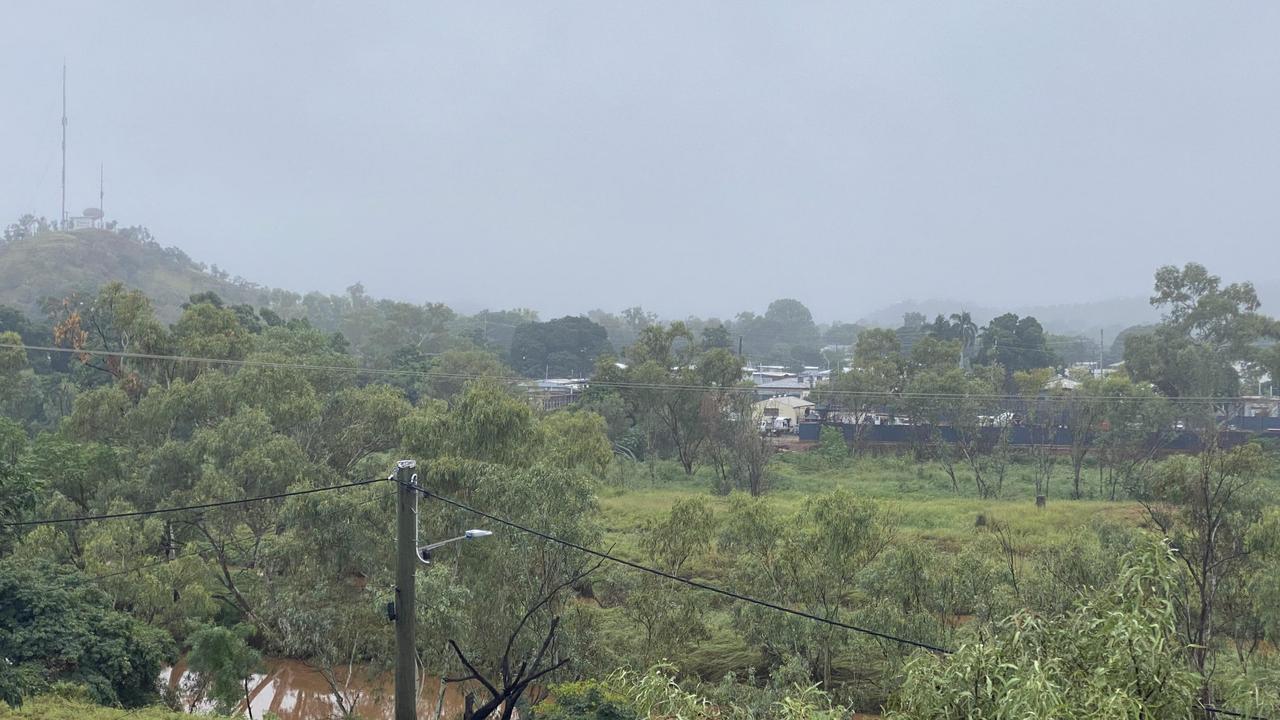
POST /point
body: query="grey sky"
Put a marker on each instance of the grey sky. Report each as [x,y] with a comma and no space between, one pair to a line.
[699,157]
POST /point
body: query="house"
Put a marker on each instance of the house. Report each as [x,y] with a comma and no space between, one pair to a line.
[819,376]
[787,411]
[766,373]
[1062,382]
[554,393]
[1258,406]
[792,386]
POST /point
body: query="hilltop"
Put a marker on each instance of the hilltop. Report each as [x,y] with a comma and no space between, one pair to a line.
[54,264]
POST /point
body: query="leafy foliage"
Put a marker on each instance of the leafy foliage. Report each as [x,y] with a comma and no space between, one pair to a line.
[565,347]
[1116,655]
[54,626]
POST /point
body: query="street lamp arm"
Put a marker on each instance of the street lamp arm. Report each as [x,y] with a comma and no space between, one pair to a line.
[424,552]
[442,543]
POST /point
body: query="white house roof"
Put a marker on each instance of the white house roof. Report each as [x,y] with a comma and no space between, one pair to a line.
[791,383]
[1062,383]
[792,402]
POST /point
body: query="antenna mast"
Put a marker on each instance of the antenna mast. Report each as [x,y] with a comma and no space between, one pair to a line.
[63,216]
[100,186]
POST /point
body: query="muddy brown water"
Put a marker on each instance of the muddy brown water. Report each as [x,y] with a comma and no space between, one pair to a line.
[292,690]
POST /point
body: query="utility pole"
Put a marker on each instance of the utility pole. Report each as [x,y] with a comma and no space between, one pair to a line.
[1101,349]
[1102,338]
[101,194]
[62,218]
[406,565]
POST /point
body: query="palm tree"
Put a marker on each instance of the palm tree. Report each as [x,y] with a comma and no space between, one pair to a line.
[968,334]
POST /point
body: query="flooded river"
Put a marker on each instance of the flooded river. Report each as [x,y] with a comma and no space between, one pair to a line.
[294,691]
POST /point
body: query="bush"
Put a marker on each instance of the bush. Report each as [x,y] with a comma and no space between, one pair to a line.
[55,626]
[585,700]
[832,447]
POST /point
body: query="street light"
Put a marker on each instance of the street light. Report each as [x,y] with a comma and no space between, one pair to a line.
[424,552]
[406,683]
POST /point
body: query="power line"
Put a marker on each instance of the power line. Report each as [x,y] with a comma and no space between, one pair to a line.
[203,506]
[194,551]
[676,578]
[684,387]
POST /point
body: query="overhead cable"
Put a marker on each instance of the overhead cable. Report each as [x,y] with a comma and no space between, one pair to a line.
[677,578]
[202,506]
[190,552]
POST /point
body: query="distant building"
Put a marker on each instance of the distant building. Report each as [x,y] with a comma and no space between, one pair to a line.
[1258,406]
[766,373]
[554,393]
[87,219]
[1062,382]
[790,386]
[785,411]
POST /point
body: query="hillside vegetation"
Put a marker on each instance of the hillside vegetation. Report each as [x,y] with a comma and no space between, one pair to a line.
[48,264]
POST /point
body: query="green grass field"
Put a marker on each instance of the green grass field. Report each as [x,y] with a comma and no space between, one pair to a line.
[919,494]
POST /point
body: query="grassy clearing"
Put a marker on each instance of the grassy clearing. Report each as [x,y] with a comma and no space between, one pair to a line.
[919,493]
[926,506]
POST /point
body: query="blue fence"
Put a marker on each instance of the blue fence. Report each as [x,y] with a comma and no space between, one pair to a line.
[1255,424]
[1018,436]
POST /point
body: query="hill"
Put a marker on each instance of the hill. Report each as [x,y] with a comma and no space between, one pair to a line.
[54,264]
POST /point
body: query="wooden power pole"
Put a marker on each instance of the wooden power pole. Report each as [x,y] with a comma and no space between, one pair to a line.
[406,692]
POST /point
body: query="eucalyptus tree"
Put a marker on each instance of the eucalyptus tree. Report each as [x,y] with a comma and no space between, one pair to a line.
[223,663]
[1042,415]
[18,486]
[1136,426]
[1207,504]
[1117,654]
[20,396]
[485,449]
[1084,412]
[955,413]
[116,319]
[670,386]
[877,373]
[811,561]
[669,619]
[1207,328]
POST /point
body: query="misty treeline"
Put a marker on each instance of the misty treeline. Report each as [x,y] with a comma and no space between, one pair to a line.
[1163,600]
[382,331]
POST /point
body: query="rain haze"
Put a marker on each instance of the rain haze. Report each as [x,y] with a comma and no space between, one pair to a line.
[693,158]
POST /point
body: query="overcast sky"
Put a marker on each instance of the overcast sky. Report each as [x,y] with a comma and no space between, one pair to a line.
[691,157]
